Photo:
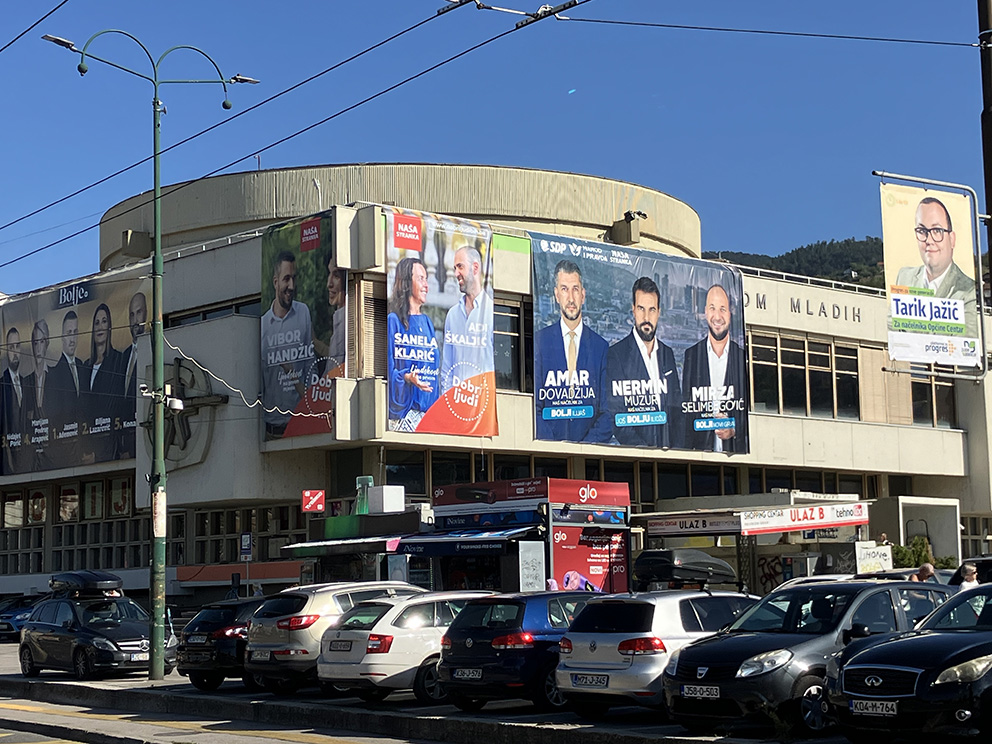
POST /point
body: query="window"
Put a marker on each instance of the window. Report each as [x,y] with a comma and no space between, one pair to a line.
[511,467]
[764,363]
[933,397]
[848,395]
[251,307]
[450,467]
[507,346]
[793,376]
[548,467]
[406,468]
[673,481]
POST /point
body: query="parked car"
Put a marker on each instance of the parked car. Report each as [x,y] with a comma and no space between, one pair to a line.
[815,579]
[88,629]
[984,565]
[212,645]
[285,631]
[506,646]
[391,643]
[616,649]
[769,665]
[932,680]
[940,575]
[14,611]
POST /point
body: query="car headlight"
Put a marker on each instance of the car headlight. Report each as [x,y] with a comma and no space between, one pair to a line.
[173,641]
[673,662]
[22,616]
[105,644]
[766,662]
[969,671]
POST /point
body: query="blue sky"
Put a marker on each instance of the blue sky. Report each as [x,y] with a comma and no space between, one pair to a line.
[772,140]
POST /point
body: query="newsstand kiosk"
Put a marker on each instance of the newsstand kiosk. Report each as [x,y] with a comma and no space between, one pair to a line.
[528,535]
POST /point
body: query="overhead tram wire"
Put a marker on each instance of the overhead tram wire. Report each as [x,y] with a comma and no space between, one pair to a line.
[282,140]
[767,32]
[31,27]
[221,123]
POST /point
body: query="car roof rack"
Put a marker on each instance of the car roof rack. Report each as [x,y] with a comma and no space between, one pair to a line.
[86,584]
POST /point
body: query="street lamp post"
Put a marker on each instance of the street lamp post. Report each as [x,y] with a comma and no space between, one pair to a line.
[156,667]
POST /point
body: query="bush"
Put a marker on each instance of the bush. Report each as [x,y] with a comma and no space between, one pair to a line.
[918,553]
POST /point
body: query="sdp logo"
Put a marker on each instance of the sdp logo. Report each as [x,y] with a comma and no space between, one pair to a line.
[587,493]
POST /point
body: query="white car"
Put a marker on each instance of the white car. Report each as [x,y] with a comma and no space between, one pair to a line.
[391,643]
[616,649]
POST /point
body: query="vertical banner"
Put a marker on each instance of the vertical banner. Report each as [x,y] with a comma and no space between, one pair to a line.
[70,372]
[637,348]
[929,255]
[439,340]
[304,326]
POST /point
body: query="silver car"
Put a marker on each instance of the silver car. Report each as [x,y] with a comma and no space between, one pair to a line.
[284,633]
[616,649]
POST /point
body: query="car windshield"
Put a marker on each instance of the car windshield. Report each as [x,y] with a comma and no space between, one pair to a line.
[969,610]
[810,609]
[614,617]
[492,615]
[109,611]
[363,616]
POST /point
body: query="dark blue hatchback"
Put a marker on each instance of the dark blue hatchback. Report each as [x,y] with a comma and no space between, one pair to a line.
[506,646]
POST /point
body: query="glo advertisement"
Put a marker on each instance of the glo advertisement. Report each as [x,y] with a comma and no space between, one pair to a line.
[589,558]
[304,327]
[70,373]
[439,339]
[928,248]
[637,348]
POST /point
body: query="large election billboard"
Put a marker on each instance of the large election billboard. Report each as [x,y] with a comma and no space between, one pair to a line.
[930,276]
[439,339]
[70,372]
[304,326]
[637,348]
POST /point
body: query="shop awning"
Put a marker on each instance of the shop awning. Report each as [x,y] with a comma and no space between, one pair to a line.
[378,544]
[462,542]
[756,520]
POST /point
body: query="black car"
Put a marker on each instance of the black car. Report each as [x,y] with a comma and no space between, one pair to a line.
[212,645]
[506,646]
[769,665]
[932,680]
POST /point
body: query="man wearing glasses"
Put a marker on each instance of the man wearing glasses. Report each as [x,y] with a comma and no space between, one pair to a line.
[935,239]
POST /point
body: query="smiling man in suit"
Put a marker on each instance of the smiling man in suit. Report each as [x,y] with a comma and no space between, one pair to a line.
[64,384]
[570,368]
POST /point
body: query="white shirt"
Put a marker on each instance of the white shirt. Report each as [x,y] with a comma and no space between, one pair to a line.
[651,364]
[718,373]
[934,284]
[966,585]
[565,330]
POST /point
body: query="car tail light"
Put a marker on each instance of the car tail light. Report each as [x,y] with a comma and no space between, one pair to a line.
[297,622]
[445,642]
[378,644]
[564,646]
[640,646]
[514,640]
[233,631]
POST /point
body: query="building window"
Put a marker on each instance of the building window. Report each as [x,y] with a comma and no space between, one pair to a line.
[793,376]
[764,363]
[246,306]
[848,393]
[933,397]
[406,468]
[511,467]
[506,346]
[673,480]
[450,467]
[550,467]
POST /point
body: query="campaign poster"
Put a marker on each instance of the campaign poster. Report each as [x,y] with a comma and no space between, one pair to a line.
[928,248]
[439,336]
[637,348]
[69,373]
[304,327]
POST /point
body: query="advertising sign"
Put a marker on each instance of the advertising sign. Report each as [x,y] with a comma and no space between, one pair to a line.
[872,557]
[439,340]
[930,276]
[304,327]
[312,501]
[637,348]
[717,524]
[796,518]
[497,494]
[70,372]
[589,558]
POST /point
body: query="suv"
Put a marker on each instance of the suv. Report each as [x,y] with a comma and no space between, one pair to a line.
[616,649]
[212,645]
[284,633]
[771,662]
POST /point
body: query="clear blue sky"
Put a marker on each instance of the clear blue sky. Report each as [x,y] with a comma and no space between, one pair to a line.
[772,140]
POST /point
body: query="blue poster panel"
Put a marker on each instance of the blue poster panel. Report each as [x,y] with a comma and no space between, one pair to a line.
[637,348]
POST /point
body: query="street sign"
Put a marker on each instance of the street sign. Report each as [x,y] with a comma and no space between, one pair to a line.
[246,546]
[313,501]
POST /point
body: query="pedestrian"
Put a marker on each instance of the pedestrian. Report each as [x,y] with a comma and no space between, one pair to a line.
[258,591]
[969,577]
[923,573]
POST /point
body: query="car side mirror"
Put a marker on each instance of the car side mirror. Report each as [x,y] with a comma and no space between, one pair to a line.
[857,630]
[67,624]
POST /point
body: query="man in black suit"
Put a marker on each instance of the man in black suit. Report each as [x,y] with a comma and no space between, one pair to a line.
[13,396]
[137,320]
[64,385]
[714,381]
[643,382]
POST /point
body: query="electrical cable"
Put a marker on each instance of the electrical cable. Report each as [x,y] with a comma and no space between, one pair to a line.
[278,142]
[765,32]
[32,26]
[221,123]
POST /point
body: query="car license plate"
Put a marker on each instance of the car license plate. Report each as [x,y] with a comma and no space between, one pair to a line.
[339,646]
[590,680]
[874,707]
[197,657]
[4,627]
[467,674]
[196,640]
[700,691]
[143,656]
[259,655]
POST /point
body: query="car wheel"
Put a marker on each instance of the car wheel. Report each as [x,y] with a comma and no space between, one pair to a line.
[253,682]
[81,665]
[548,696]
[467,704]
[427,685]
[811,717]
[28,668]
[589,710]
[281,687]
[206,681]
[373,695]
